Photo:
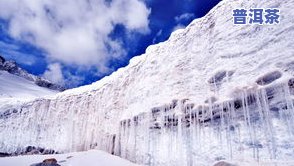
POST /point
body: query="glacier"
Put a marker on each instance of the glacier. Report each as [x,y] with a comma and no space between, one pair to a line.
[213,91]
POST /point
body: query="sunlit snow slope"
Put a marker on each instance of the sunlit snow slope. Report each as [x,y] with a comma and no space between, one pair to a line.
[14,88]
[213,91]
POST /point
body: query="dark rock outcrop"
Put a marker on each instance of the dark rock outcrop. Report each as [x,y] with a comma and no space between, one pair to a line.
[223,163]
[47,162]
[269,78]
[219,76]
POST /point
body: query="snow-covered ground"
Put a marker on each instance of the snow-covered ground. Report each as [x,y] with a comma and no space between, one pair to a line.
[213,91]
[12,86]
[100,158]
[87,158]
[15,89]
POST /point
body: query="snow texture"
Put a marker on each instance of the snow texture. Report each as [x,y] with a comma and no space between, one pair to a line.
[213,91]
[88,158]
[15,89]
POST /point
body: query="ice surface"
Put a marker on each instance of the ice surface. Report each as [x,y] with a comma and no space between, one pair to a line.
[194,99]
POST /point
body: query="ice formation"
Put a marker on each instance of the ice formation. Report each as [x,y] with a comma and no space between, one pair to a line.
[213,91]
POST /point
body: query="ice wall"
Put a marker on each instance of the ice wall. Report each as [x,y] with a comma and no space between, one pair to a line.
[257,125]
[213,91]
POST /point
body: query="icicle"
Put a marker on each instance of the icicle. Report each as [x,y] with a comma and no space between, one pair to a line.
[247,119]
[229,126]
[289,112]
[189,138]
[266,125]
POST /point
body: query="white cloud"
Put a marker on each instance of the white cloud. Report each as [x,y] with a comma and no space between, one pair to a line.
[180,18]
[57,75]
[12,51]
[179,26]
[54,74]
[183,17]
[71,80]
[158,34]
[74,32]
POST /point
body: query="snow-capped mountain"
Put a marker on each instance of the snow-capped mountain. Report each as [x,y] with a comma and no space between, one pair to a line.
[17,85]
[12,68]
[14,88]
[213,91]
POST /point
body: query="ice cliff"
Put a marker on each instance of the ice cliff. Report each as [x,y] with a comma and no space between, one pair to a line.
[213,91]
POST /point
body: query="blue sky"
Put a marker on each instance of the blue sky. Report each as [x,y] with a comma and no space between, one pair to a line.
[82,41]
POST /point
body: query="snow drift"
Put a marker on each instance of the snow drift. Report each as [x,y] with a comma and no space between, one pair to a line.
[213,91]
[88,158]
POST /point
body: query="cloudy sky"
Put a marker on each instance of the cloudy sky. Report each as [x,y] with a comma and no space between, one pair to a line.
[76,42]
